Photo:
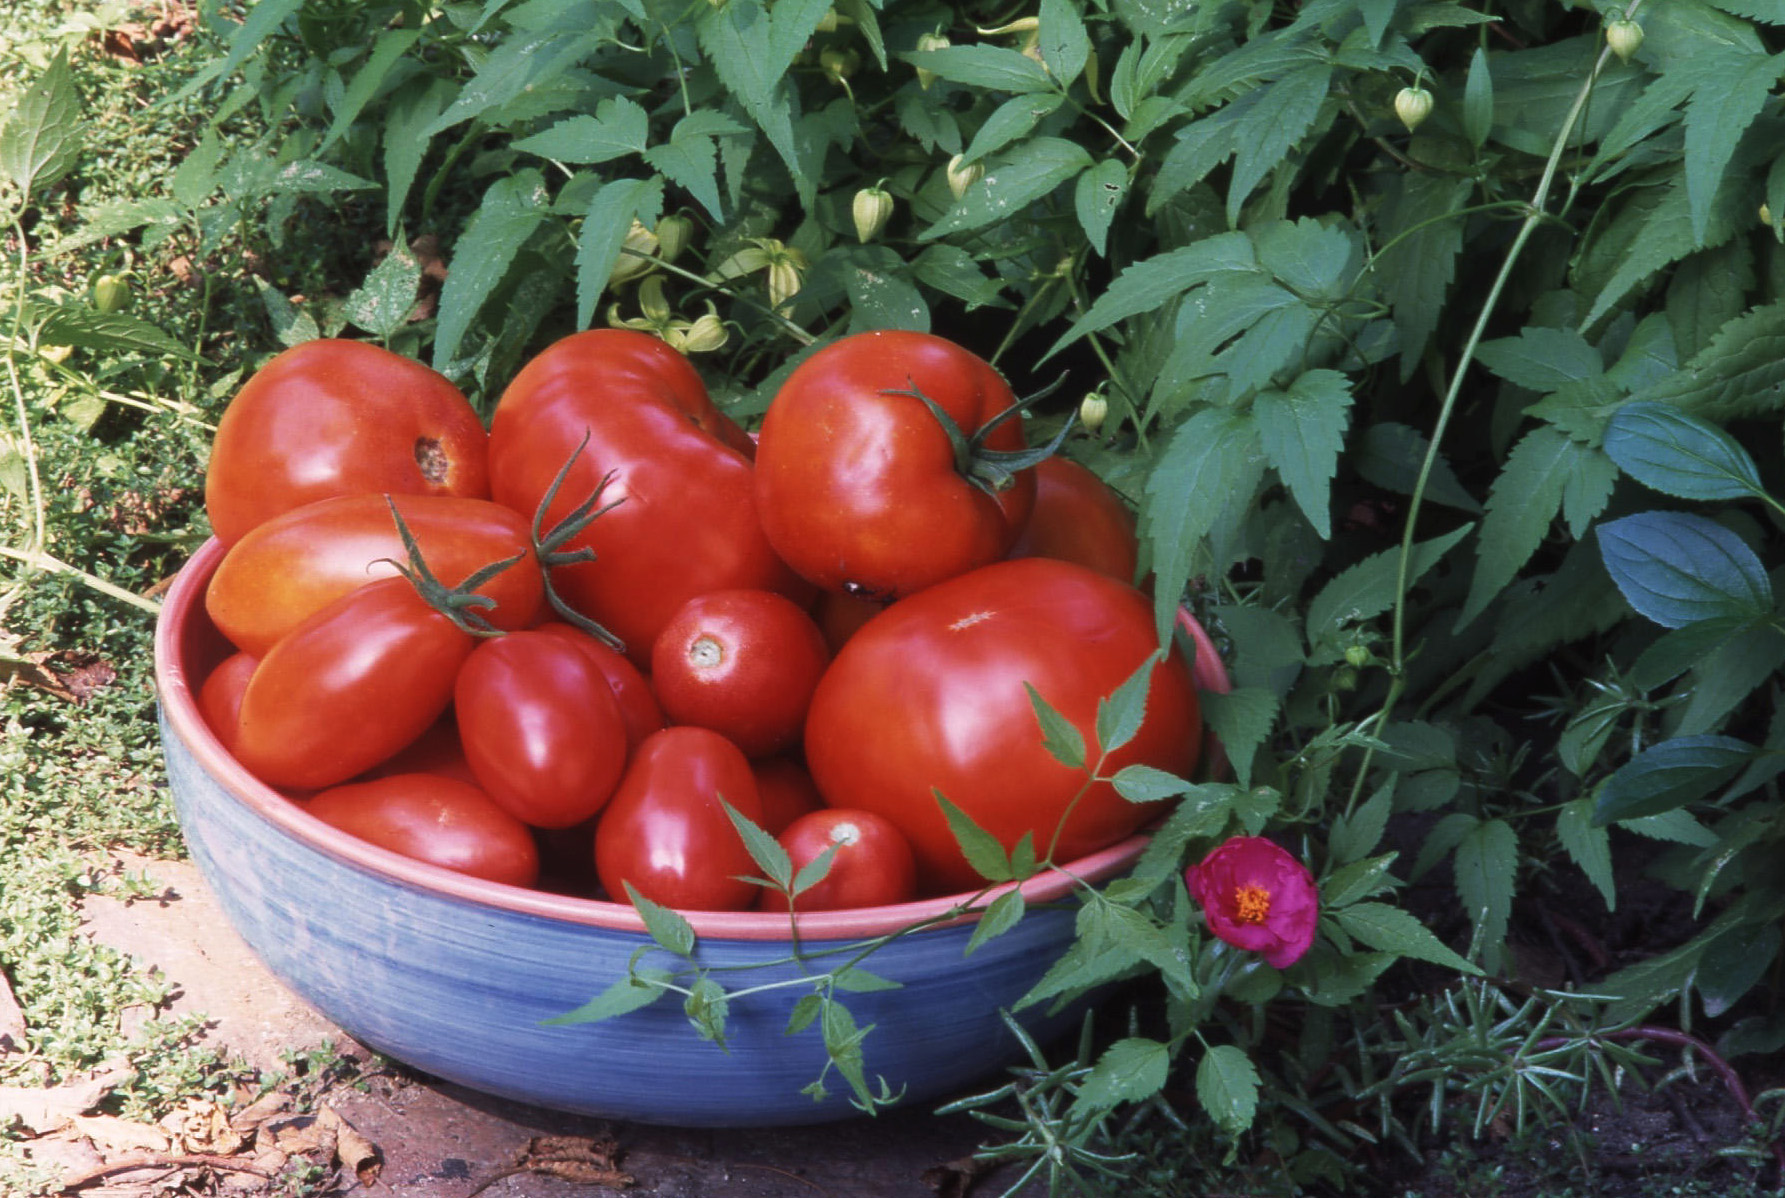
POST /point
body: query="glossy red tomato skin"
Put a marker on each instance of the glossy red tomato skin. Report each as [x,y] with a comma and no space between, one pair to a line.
[541,728]
[857,483]
[439,820]
[436,751]
[681,473]
[638,703]
[349,687]
[336,417]
[220,698]
[666,832]
[930,694]
[1079,518]
[873,866]
[786,790]
[296,563]
[743,663]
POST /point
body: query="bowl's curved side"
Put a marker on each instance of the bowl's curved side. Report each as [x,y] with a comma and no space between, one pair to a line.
[462,990]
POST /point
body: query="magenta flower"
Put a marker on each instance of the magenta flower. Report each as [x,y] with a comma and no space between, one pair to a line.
[1257,897]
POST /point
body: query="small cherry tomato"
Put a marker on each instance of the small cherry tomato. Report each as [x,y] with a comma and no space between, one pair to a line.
[638,704]
[442,821]
[334,417]
[786,790]
[873,865]
[220,698]
[666,832]
[742,663]
[541,728]
[1079,518]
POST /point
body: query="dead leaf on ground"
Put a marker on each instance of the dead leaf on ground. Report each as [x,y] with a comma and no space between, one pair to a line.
[109,1133]
[354,1151]
[956,1178]
[203,1125]
[51,1108]
[12,1019]
[588,1161]
[268,1106]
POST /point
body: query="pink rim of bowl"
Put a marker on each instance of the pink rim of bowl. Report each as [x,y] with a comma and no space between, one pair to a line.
[187,646]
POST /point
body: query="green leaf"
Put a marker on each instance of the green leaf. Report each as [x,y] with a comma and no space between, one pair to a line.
[1486,865]
[815,870]
[1359,880]
[412,110]
[992,68]
[981,849]
[1679,454]
[1130,1070]
[292,325]
[1389,455]
[1734,963]
[667,927]
[1302,430]
[515,66]
[1013,119]
[1589,845]
[1542,359]
[1393,930]
[1241,719]
[388,49]
[1676,827]
[1212,460]
[619,127]
[1668,775]
[707,1006]
[1005,912]
[1281,117]
[750,47]
[1037,167]
[763,848]
[881,293]
[1367,589]
[116,333]
[1717,115]
[262,21]
[512,209]
[1151,283]
[853,979]
[1478,100]
[1677,569]
[1355,838]
[1065,46]
[1227,1087]
[1741,373]
[41,137]
[1096,198]
[611,213]
[1148,784]
[1708,290]
[1664,233]
[1121,713]
[1729,674]
[117,218]
[382,305]
[691,159]
[639,989]
[1418,259]
[1060,737]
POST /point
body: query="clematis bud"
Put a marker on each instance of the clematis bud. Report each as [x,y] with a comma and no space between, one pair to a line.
[629,266]
[929,41]
[706,334]
[673,233]
[111,294]
[1257,897]
[961,177]
[1093,410]
[839,64]
[1624,36]
[871,209]
[1413,105]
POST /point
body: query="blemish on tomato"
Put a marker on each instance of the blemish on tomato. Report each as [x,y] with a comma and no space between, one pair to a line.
[432,460]
[970,619]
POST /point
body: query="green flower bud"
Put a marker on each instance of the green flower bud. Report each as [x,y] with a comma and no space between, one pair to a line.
[961,177]
[1358,656]
[1093,410]
[673,234]
[929,41]
[1413,105]
[111,294]
[839,64]
[1624,36]
[871,209]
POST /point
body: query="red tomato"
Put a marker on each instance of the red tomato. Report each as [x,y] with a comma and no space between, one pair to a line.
[541,728]
[220,698]
[839,615]
[786,790]
[349,687]
[638,704]
[439,820]
[860,486]
[298,562]
[873,865]
[665,831]
[951,663]
[436,751]
[334,417]
[685,521]
[742,663]
[1079,518]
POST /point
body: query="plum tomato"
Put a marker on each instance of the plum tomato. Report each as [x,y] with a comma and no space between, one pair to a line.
[220,698]
[299,561]
[349,687]
[954,663]
[335,417]
[677,471]
[439,820]
[1079,518]
[742,663]
[873,865]
[638,704]
[666,832]
[863,488]
[436,751]
[786,790]
[541,728]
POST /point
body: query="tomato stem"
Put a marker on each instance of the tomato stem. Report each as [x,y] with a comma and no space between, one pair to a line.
[549,544]
[460,603]
[989,470]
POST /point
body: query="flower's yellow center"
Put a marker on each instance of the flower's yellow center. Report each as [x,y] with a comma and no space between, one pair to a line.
[1252,904]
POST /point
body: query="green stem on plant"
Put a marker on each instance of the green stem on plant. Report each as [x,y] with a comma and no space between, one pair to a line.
[43,561]
[796,331]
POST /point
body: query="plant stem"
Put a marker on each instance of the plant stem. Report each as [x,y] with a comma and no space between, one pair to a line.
[40,560]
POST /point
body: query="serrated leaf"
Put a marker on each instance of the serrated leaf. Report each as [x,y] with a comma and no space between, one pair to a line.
[1035,168]
[382,305]
[1677,568]
[41,137]
[1059,736]
[1152,282]
[1717,115]
[1677,827]
[1130,1070]
[1359,880]
[992,68]
[261,22]
[292,325]
[618,127]
[1213,459]
[1741,373]
[1731,673]
[981,849]
[1589,845]
[512,209]
[1064,44]
[1734,963]
[1389,455]
[691,160]
[640,989]
[1013,119]
[1302,430]
[1121,713]
[1678,454]
[516,65]
[1227,1087]
[1418,259]
[1665,233]
[666,927]
[1354,838]
[1708,290]
[750,47]
[1241,719]
[411,110]
[1366,590]
[1393,930]
[1097,197]
[763,848]
[114,333]
[1004,913]
[1273,126]
[854,979]
[707,1007]
[388,49]
[1148,784]
[611,213]
[881,293]
[1541,359]
[1478,100]
[815,870]
[1486,866]
[1670,775]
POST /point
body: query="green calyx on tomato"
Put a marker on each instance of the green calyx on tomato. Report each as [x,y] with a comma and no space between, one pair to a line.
[990,470]
[549,544]
[461,604]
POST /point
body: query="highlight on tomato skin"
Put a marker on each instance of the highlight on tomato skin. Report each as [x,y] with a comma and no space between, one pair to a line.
[872,866]
[435,819]
[632,689]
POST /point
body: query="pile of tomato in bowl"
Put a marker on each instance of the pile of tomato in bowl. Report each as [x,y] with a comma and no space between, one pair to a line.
[616,709]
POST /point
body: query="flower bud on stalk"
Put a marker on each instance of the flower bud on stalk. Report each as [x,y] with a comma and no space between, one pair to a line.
[929,41]
[1413,105]
[1093,410]
[110,294]
[673,234]
[871,209]
[1624,36]
[839,64]
[961,177]
[629,265]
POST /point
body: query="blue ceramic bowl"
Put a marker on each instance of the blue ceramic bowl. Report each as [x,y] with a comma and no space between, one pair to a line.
[458,977]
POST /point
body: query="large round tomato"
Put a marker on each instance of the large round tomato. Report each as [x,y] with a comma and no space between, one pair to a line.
[742,663]
[666,832]
[298,562]
[863,488]
[541,728]
[932,694]
[678,472]
[349,687]
[442,821]
[333,417]
[1079,518]
[872,865]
